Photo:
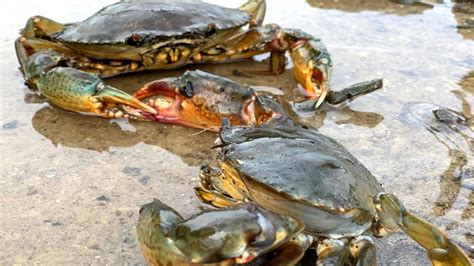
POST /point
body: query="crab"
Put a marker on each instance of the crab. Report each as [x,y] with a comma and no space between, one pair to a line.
[131,36]
[298,173]
[196,99]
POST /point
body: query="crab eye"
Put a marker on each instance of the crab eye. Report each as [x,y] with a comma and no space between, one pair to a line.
[211,29]
[187,89]
[134,39]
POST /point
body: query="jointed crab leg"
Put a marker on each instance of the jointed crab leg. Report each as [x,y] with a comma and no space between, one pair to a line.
[256,9]
[291,252]
[212,189]
[332,252]
[363,251]
[441,250]
[312,62]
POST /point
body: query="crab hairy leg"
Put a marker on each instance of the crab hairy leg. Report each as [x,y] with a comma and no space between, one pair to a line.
[441,250]
[76,90]
[231,235]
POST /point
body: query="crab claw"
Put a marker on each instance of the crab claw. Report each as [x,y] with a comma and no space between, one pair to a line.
[234,234]
[312,63]
[78,91]
[200,100]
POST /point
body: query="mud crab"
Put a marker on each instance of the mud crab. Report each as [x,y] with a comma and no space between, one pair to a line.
[132,36]
[295,173]
[196,99]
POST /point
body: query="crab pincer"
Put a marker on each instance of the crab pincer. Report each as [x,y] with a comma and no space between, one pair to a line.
[227,236]
[200,100]
[76,90]
[312,63]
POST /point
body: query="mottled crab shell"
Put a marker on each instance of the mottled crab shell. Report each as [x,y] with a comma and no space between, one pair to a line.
[304,174]
[144,21]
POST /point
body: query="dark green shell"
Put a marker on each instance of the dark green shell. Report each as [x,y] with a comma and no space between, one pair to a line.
[146,21]
[301,164]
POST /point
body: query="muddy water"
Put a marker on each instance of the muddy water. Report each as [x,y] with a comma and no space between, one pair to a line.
[71,185]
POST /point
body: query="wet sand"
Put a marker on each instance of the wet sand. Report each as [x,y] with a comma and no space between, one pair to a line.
[71,185]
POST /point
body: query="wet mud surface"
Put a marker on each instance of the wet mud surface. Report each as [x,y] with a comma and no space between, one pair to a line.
[71,185]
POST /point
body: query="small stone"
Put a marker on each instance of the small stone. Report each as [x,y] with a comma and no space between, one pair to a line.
[10,125]
[144,180]
[118,213]
[31,191]
[95,247]
[134,171]
[51,222]
[103,198]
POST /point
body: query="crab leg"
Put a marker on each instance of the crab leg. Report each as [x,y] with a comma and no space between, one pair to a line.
[76,90]
[226,236]
[212,189]
[291,252]
[312,62]
[39,26]
[256,9]
[332,252]
[441,250]
[31,39]
[363,251]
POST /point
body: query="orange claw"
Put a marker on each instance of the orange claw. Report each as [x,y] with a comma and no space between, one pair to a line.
[200,100]
[313,64]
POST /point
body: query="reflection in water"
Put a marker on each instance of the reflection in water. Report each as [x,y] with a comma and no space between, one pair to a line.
[342,115]
[456,132]
[95,133]
[458,137]
[362,119]
[386,6]
[464,13]
[467,85]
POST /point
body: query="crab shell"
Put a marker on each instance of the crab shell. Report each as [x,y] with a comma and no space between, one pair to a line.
[125,25]
[303,174]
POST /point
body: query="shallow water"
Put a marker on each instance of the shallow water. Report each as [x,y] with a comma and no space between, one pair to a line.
[71,185]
